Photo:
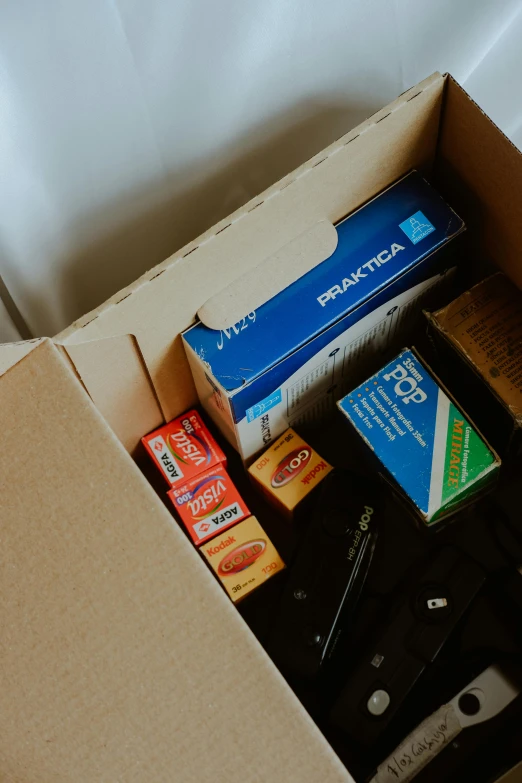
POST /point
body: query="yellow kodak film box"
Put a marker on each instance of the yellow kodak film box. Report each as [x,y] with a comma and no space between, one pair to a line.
[243,558]
[288,471]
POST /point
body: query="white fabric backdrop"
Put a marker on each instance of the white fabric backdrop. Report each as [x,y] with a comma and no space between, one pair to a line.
[129,126]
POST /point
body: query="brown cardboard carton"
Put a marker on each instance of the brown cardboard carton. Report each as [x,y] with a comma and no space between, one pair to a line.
[482,328]
[116,657]
[486,325]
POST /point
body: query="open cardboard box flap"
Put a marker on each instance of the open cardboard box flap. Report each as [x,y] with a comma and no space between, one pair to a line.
[122,658]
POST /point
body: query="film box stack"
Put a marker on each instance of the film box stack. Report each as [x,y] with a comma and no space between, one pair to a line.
[287,362]
[207,503]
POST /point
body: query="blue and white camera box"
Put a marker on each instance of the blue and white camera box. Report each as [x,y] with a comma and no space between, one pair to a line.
[289,361]
[436,459]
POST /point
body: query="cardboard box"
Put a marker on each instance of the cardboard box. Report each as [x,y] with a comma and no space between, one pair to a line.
[288,471]
[208,504]
[116,662]
[479,340]
[184,448]
[287,361]
[435,457]
[243,559]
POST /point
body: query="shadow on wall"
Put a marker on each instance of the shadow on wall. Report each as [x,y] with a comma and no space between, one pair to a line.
[152,223]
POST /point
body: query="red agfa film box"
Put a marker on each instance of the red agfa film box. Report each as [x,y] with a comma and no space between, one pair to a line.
[183,448]
[208,504]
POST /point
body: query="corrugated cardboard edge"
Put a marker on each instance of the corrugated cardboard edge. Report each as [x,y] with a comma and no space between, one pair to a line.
[162,303]
[12,353]
[107,670]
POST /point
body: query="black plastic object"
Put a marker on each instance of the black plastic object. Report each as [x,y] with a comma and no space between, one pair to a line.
[326,578]
[419,627]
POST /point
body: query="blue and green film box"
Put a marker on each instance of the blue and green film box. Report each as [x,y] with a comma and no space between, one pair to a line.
[287,363]
[434,455]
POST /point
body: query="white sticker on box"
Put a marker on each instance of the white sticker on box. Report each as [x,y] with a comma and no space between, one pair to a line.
[166,461]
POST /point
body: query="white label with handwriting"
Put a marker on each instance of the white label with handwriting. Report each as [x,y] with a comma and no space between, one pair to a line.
[428,739]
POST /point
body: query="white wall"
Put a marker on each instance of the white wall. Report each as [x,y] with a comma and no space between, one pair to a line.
[129,126]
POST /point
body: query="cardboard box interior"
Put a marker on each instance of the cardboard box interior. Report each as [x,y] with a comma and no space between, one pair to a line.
[122,658]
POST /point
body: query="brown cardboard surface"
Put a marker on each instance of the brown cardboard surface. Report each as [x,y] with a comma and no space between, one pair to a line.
[119,402]
[485,324]
[161,304]
[12,353]
[122,659]
[480,171]
[513,776]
